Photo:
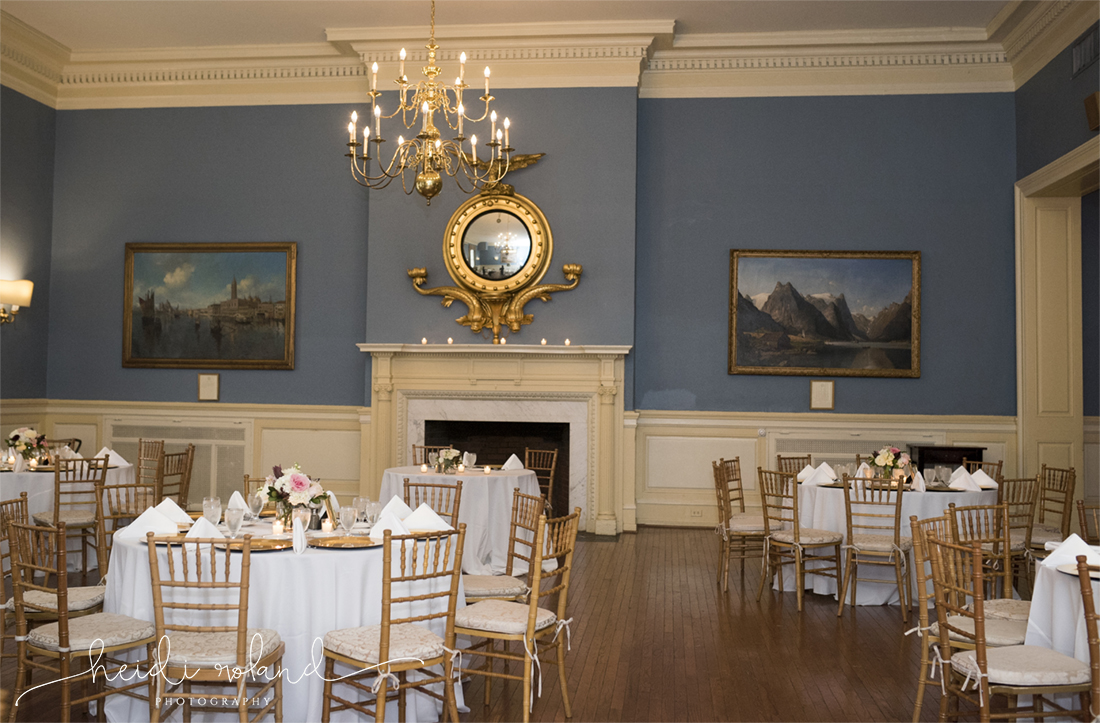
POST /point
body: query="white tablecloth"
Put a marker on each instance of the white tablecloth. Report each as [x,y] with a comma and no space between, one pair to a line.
[302,597]
[822,508]
[1057,617]
[486,509]
[39,489]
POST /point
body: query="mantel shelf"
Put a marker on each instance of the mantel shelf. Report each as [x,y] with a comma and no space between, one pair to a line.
[500,349]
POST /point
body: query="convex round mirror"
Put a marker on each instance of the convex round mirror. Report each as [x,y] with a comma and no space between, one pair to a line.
[497,243]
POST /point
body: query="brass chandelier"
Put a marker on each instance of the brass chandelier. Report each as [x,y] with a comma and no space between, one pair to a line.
[428,157]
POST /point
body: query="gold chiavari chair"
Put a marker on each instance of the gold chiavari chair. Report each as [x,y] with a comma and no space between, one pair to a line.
[445,499]
[973,670]
[1089,517]
[54,445]
[526,511]
[872,509]
[13,510]
[1092,635]
[742,532]
[1019,496]
[988,526]
[150,466]
[176,476]
[544,463]
[74,482]
[421,452]
[77,639]
[993,469]
[423,574]
[116,507]
[1054,508]
[793,464]
[200,605]
[786,541]
[528,623]
[939,527]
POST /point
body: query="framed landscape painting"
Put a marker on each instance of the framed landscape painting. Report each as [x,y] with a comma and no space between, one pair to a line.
[209,305]
[825,313]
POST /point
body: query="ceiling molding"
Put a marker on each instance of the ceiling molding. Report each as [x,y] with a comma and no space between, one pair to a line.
[1044,32]
[815,38]
[30,61]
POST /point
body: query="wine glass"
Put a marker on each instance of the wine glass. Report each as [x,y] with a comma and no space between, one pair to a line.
[433,458]
[374,511]
[256,505]
[349,515]
[930,475]
[234,518]
[212,509]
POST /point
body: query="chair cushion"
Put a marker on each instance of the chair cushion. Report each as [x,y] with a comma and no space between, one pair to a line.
[69,517]
[746,522]
[1006,609]
[502,616]
[206,650]
[1024,665]
[79,598]
[1018,543]
[808,536]
[481,586]
[406,641]
[1042,534]
[866,542]
[111,628]
[998,631]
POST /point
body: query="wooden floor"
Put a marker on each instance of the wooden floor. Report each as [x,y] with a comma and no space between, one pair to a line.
[655,640]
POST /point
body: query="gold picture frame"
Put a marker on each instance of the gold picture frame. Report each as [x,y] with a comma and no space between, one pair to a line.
[209,305]
[825,313]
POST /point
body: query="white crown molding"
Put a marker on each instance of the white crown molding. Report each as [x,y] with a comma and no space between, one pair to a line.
[1044,32]
[900,36]
[445,35]
[30,61]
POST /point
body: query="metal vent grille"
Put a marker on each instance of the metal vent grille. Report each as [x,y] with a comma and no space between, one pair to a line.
[1086,50]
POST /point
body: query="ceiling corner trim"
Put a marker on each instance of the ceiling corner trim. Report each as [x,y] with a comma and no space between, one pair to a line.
[1045,32]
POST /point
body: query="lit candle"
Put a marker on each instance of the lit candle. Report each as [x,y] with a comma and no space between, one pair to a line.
[544,342]
[473,145]
[461,67]
[507,123]
[378,121]
[402,72]
[423,468]
[351,129]
[503,341]
[366,138]
[400,140]
[424,110]
[450,340]
[424,340]
[486,80]
[461,110]
[32,463]
[461,467]
[374,76]
[567,342]
[326,525]
[493,130]
[486,469]
[277,527]
[500,146]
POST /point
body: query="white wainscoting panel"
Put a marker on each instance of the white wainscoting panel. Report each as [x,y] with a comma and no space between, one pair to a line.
[88,434]
[329,454]
[685,462]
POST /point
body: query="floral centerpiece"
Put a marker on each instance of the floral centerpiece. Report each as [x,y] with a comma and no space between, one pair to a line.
[449,460]
[290,489]
[890,462]
[27,442]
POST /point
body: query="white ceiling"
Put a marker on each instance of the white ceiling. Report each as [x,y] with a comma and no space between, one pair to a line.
[98,25]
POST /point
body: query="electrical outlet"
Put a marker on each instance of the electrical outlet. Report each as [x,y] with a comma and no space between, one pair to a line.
[696,513]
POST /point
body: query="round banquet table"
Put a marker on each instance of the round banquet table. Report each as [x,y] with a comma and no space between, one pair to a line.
[822,508]
[302,597]
[1057,617]
[486,508]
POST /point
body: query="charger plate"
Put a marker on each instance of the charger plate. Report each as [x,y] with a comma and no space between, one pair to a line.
[1070,568]
[344,542]
[266,544]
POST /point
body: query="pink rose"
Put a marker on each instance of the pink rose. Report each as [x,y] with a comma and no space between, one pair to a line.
[299,483]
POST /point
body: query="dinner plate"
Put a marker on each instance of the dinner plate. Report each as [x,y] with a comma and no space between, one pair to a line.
[344,542]
[1070,568]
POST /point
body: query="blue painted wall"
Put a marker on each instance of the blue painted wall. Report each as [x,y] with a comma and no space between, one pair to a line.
[927,173]
[205,174]
[1050,113]
[585,185]
[1090,300]
[26,220]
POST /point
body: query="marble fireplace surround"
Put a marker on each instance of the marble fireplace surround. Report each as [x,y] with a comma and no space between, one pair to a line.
[577,385]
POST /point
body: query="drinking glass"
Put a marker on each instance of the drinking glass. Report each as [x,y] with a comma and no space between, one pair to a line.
[302,513]
[472,459]
[256,505]
[234,518]
[930,475]
[212,509]
[433,457]
[374,511]
[348,517]
[943,473]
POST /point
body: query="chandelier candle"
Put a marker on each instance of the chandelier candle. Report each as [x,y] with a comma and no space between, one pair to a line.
[425,161]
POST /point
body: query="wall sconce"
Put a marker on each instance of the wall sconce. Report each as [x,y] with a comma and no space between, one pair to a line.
[14,294]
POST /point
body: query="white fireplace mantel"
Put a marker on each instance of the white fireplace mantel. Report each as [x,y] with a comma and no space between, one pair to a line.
[580,385]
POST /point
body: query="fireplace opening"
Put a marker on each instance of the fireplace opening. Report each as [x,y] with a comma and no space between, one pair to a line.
[494,442]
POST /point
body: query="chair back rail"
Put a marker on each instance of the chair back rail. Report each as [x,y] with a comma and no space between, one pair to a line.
[1019,497]
[150,464]
[559,540]
[176,476]
[987,526]
[544,463]
[793,464]
[729,488]
[1089,517]
[445,499]
[526,511]
[117,506]
[1089,604]
[993,469]
[873,506]
[74,484]
[13,510]
[1056,497]
[779,495]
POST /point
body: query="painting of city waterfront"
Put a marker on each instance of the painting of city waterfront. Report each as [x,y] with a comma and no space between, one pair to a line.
[209,306]
[825,313]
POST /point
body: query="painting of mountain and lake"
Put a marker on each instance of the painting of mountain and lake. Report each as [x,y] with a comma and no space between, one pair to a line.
[209,305]
[825,313]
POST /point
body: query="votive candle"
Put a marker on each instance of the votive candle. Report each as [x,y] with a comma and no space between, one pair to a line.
[544,342]
[424,340]
[277,527]
[450,340]
[461,467]
[423,468]
[326,525]
[32,463]
[487,470]
[567,342]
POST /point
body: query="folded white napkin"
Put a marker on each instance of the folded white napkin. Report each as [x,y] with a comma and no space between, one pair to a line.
[469,459]
[819,477]
[918,483]
[984,481]
[67,452]
[964,482]
[204,529]
[388,521]
[20,464]
[397,506]
[512,464]
[151,520]
[236,501]
[805,474]
[114,459]
[299,536]
[1068,551]
[824,467]
[172,511]
[864,471]
[956,473]
[425,519]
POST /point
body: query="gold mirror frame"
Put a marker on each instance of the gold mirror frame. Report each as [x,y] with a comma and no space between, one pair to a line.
[497,302]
